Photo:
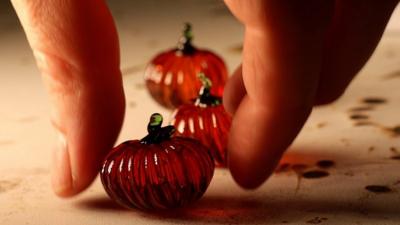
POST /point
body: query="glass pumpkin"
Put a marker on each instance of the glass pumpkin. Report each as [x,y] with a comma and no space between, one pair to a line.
[158,172]
[207,121]
[171,75]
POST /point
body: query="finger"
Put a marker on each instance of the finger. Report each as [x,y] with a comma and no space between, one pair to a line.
[234,91]
[281,65]
[76,48]
[357,28]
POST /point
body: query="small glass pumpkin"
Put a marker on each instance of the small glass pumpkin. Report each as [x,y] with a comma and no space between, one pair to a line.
[205,120]
[160,171]
[171,75]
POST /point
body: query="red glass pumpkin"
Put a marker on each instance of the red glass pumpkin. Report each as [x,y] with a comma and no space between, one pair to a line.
[207,121]
[159,171]
[171,76]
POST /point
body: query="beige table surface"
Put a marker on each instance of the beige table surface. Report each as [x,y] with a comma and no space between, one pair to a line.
[364,155]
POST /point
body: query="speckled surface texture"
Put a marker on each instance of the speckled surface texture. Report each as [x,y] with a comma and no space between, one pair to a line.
[358,135]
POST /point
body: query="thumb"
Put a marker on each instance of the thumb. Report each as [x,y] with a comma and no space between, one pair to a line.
[76,48]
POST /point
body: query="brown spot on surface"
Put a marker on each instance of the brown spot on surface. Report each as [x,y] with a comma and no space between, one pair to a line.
[359,117]
[345,141]
[6,142]
[321,125]
[395,74]
[393,131]
[395,157]
[374,100]
[6,185]
[313,174]
[396,130]
[296,168]
[132,104]
[361,108]
[317,220]
[378,189]
[349,173]
[393,149]
[363,123]
[325,163]
[371,148]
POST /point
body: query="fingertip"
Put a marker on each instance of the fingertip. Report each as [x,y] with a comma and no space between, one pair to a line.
[258,138]
[250,175]
[66,191]
[65,181]
[61,177]
[251,172]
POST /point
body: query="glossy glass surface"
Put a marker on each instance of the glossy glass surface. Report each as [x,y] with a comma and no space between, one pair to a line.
[170,174]
[208,124]
[171,77]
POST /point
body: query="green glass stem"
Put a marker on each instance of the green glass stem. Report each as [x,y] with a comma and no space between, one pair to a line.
[157,134]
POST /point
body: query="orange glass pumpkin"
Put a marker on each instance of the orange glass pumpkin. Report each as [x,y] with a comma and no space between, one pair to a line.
[171,76]
[207,121]
[160,171]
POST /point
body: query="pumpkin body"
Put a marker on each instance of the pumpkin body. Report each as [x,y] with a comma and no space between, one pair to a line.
[171,77]
[208,124]
[169,174]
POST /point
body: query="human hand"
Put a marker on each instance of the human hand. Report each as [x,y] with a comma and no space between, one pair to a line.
[76,48]
[296,54]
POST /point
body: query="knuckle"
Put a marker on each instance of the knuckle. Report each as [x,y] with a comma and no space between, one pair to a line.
[58,74]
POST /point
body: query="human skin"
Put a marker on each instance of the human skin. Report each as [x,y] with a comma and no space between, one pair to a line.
[297,54]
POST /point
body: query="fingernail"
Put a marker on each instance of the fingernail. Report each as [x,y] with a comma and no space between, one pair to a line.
[62,180]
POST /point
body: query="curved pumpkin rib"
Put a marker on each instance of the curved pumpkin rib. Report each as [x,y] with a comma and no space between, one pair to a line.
[174,96]
[111,164]
[168,65]
[156,199]
[162,63]
[194,165]
[224,120]
[214,134]
[186,114]
[169,184]
[132,184]
[188,88]
[125,177]
[156,64]
[141,178]
[206,165]
[200,129]
[178,178]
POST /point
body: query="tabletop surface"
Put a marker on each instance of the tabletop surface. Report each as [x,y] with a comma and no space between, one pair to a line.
[355,141]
